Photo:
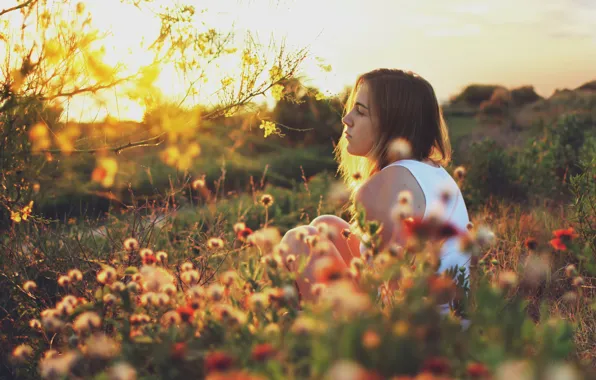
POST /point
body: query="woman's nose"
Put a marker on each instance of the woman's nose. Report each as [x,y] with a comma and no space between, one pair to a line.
[345,120]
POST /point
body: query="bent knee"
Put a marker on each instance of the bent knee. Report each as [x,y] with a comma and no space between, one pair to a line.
[330,220]
[298,233]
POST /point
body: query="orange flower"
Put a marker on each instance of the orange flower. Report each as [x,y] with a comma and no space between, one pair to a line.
[218,361]
[562,237]
[328,269]
[149,259]
[244,233]
[530,243]
[186,313]
[477,371]
[262,352]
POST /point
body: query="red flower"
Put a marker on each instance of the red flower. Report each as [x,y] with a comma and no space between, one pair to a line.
[186,313]
[530,243]
[562,237]
[243,234]
[436,365]
[218,361]
[178,350]
[149,259]
[329,268]
[262,352]
[477,370]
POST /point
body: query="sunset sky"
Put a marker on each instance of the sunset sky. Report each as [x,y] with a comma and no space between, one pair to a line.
[549,44]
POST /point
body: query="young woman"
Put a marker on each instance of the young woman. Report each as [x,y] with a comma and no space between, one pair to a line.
[385,106]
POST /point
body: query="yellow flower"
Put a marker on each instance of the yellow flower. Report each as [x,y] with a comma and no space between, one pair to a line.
[277,91]
[105,171]
[270,128]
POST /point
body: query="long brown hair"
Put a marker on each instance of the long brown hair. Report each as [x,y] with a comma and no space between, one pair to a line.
[405,106]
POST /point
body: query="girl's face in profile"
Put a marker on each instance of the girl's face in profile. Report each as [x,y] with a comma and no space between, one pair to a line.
[358,123]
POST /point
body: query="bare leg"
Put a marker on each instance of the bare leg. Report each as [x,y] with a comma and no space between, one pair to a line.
[295,244]
[348,248]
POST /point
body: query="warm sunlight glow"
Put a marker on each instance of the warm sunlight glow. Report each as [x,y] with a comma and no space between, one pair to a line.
[452,44]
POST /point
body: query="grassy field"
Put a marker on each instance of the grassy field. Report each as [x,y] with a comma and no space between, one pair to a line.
[181,281]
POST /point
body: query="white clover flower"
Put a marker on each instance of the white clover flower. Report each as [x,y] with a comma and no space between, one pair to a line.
[87,321]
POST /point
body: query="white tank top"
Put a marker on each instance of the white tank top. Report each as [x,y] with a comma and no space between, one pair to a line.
[433,181]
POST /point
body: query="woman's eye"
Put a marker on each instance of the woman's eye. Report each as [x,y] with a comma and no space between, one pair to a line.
[358,111]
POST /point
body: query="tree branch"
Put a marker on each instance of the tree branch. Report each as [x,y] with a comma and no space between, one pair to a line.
[16,7]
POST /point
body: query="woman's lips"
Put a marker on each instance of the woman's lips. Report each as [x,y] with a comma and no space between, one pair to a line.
[348,135]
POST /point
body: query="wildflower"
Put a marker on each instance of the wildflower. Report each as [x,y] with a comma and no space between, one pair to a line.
[401,328]
[515,369]
[52,324]
[357,176]
[29,286]
[186,267]
[346,233]
[101,346]
[190,277]
[578,281]
[35,324]
[198,183]
[470,226]
[196,292]
[400,212]
[459,173]
[64,308]
[57,366]
[570,270]
[344,369]
[169,289]
[266,200]
[118,287]
[145,252]
[228,278]
[215,243]
[160,299]
[404,197]
[154,278]
[562,238]
[258,301]
[399,149]
[149,259]
[531,243]
[162,257]
[290,259]
[436,366]
[218,361]
[304,325]
[215,292]
[329,268]
[138,319]
[562,371]
[477,371]
[289,292]
[110,299]
[133,287]
[186,313]
[262,352]
[87,321]
[63,281]
[106,276]
[75,275]
[22,352]
[122,371]
[244,233]
[371,339]
[484,236]
[131,244]
[536,269]
[171,318]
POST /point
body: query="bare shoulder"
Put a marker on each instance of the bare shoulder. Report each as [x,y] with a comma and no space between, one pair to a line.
[380,191]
